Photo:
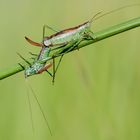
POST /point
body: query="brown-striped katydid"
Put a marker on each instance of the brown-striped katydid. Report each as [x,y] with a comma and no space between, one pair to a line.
[61,39]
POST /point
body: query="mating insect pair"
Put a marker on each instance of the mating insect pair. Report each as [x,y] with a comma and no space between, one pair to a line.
[65,40]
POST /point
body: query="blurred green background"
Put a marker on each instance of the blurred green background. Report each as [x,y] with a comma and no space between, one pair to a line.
[96,95]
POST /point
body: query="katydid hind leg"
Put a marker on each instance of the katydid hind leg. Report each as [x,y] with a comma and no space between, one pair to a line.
[74,45]
[66,47]
[61,46]
[88,35]
[53,70]
[59,63]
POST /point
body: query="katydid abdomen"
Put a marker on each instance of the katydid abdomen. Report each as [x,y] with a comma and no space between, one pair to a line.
[65,36]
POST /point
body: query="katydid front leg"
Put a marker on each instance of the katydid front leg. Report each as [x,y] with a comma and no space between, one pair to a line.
[89,35]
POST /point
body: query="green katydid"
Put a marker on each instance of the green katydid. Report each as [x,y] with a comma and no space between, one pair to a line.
[70,37]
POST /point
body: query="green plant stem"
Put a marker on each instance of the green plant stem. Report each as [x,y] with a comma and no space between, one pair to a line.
[111,31]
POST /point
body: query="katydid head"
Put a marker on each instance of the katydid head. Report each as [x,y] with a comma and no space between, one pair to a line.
[47,42]
[29,71]
[33,69]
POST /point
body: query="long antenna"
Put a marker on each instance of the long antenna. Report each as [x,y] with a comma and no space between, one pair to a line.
[30,107]
[94,17]
[112,11]
[44,116]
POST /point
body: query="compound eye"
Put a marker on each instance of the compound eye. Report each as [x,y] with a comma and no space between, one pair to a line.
[47,43]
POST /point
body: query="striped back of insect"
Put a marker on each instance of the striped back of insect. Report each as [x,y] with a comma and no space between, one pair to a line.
[67,35]
[83,27]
